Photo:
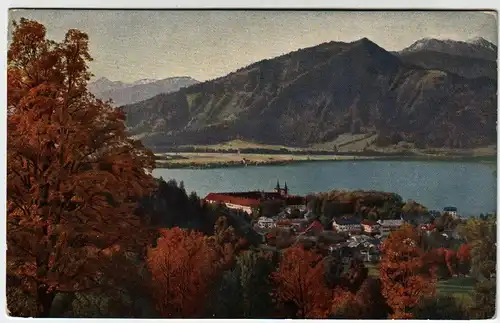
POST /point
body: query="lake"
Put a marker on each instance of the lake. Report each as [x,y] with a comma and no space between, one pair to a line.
[471,187]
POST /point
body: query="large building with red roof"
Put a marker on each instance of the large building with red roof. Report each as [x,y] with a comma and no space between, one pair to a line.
[248,201]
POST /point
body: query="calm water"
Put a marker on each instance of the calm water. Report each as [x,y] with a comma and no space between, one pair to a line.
[471,187]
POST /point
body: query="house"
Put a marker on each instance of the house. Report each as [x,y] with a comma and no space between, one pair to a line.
[370,226]
[369,254]
[248,201]
[427,227]
[346,225]
[451,210]
[386,226]
[285,224]
[233,202]
[266,223]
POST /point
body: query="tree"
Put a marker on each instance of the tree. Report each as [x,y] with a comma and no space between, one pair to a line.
[372,303]
[182,265]
[464,259]
[226,243]
[73,174]
[484,299]
[405,276]
[227,300]
[451,261]
[440,308]
[255,270]
[299,283]
[480,235]
[436,261]
[355,275]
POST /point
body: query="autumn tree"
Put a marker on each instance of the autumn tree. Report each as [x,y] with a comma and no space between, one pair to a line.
[73,174]
[299,283]
[464,259]
[182,266]
[404,274]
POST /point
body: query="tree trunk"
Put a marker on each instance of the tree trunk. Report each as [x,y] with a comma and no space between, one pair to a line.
[44,300]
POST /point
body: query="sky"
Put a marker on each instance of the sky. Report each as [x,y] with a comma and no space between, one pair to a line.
[130,45]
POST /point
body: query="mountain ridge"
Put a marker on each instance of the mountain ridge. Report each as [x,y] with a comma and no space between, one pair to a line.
[315,94]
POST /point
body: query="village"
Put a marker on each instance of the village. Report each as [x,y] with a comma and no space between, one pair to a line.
[290,220]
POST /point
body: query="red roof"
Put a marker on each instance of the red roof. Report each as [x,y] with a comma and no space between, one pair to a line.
[428,227]
[232,199]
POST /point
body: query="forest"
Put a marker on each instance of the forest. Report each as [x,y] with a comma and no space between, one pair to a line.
[92,234]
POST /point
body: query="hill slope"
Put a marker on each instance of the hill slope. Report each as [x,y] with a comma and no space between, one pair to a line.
[468,67]
[315,94]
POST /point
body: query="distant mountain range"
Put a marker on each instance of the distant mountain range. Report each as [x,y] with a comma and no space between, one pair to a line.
[434,93]
[128,93]
[471,59]
[476,47]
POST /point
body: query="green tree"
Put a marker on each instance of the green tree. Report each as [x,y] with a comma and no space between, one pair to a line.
[440,308]
[255,268]
[227,297]
[480,234]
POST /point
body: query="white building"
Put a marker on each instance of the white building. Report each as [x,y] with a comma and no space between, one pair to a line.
[266,223]
[451,210]
[387,226]
[346,225]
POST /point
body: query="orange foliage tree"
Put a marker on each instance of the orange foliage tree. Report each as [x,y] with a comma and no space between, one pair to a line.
[299,282]
[72,172]
[404,274]
[182,265]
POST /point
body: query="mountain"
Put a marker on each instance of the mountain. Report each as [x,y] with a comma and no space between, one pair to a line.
[477,47]
[469,67]
[473,58]
[144,81]
[104,85]
[316,94]
[127,93]
[481,42]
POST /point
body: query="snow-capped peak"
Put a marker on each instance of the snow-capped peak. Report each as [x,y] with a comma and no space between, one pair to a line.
[144,81]
[480,41]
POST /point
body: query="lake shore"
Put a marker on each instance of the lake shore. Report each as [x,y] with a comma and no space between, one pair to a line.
[222,160]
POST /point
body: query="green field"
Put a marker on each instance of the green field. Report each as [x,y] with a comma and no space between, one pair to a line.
[355,144]
[456,286]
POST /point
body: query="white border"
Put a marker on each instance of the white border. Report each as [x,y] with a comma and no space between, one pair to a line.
[320,4]
[194,4]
